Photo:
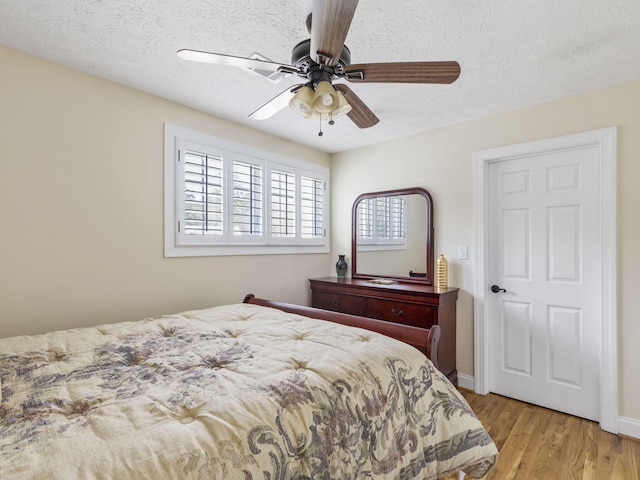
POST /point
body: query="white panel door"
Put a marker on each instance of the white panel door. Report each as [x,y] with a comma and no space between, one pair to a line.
[544,250]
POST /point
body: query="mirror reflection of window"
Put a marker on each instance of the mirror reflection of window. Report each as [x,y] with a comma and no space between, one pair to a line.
[382,222]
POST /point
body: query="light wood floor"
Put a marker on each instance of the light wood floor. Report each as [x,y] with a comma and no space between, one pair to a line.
[540,444]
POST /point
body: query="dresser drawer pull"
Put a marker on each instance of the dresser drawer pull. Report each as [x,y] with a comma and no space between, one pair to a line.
[398,313]
[337,303]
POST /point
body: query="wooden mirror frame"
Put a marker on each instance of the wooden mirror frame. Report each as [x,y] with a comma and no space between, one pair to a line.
[428,278]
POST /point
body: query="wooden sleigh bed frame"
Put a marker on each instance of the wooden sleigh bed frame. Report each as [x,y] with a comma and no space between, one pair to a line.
[414,336]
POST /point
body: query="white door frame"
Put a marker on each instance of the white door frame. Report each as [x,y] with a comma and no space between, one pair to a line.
[605,140]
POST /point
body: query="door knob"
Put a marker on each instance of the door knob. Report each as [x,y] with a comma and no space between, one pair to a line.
[496,289]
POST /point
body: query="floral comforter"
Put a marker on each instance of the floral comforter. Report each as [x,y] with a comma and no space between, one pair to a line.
[235,392]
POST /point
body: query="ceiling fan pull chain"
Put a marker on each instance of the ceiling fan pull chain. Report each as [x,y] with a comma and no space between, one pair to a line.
[320,132]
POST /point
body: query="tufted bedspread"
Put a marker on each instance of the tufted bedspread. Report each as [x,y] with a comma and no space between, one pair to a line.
[233,392]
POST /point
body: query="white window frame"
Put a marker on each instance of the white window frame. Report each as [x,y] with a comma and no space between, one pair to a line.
[176,244]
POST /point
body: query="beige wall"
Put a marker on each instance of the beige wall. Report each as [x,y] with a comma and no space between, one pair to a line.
[81,172]
[81,207]
[441,161]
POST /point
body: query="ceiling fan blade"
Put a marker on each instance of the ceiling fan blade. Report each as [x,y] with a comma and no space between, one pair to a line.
[403,72]
[276,104]
[242,62]
[330,22]
[360,114]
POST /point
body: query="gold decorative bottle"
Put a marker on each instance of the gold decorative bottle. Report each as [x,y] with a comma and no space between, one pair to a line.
[442,272]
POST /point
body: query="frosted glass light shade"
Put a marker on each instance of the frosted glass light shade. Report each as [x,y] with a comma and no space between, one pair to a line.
[343,106]
[302,102]
[325,99]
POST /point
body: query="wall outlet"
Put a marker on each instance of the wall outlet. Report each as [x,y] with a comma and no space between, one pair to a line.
[463,252]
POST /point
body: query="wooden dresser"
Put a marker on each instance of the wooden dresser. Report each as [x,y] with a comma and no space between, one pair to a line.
[409,303]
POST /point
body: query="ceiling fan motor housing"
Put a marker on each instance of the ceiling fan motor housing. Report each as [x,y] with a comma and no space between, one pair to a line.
[314,72]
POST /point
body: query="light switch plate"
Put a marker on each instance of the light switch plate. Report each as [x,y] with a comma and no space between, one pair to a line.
[463,252]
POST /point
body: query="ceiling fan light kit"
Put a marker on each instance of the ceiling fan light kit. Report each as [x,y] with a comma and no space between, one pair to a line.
[326,103]
[324,58]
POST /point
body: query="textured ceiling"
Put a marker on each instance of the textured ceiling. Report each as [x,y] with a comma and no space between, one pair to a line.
[512,53]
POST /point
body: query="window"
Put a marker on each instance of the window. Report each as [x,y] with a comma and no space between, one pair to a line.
[223,198]
[382,222]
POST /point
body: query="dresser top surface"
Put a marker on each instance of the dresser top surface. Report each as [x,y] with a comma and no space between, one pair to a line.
[393,285]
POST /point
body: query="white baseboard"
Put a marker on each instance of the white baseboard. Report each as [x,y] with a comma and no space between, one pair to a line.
[466,381]
[629,427]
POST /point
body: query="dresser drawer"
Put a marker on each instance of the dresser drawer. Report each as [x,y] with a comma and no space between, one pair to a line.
[339,303]
[399,312]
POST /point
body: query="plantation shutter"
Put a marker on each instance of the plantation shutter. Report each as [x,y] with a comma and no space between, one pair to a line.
[311,207]
[203,194]
[247,199]
[283,204]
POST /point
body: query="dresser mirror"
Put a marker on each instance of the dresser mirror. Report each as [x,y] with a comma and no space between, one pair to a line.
[392,236]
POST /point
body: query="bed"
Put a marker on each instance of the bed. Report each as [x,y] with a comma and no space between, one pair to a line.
[255,390]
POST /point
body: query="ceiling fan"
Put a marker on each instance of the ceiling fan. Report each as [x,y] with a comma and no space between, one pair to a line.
[324,58]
